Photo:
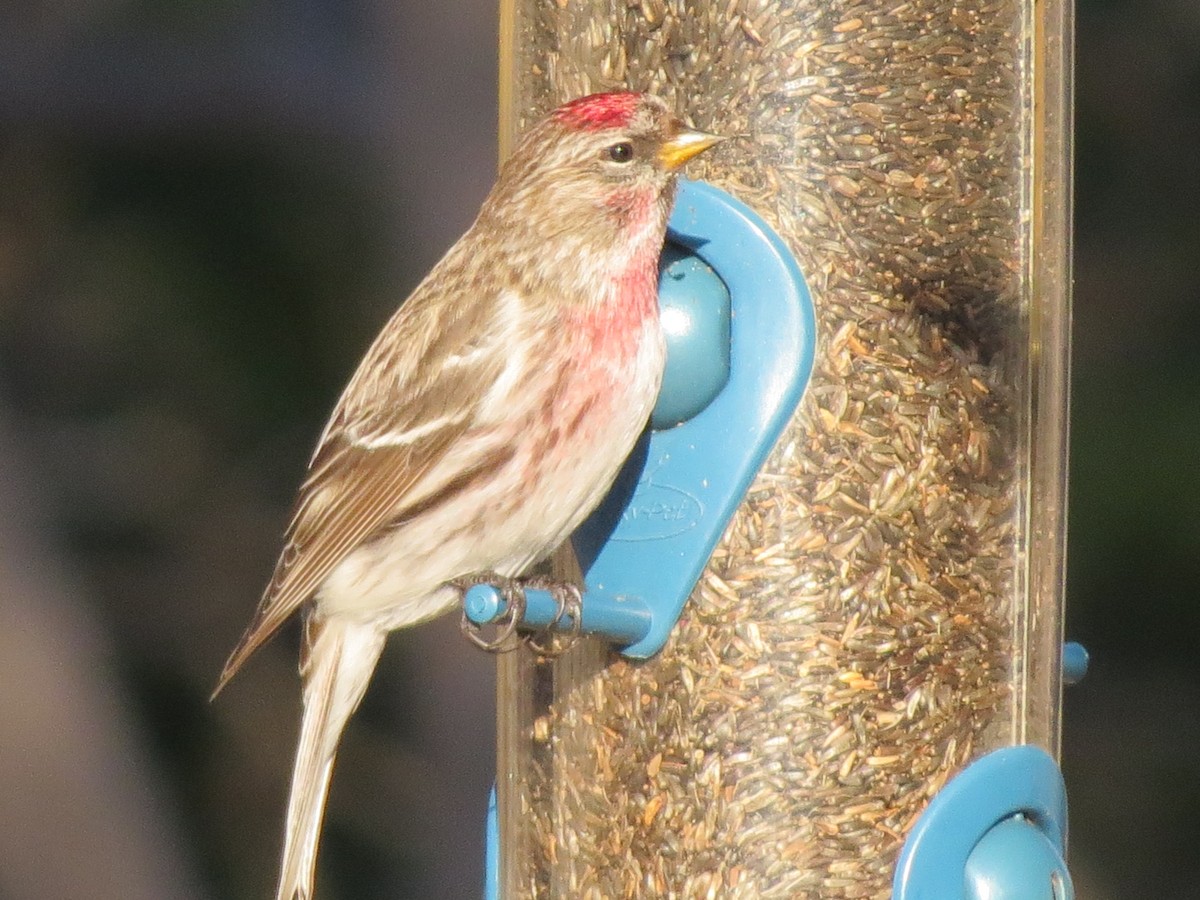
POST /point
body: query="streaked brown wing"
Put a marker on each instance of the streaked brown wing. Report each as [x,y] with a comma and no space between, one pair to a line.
[388,432]
[359,492]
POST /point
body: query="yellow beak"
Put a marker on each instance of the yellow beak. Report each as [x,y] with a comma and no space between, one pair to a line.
[683,145]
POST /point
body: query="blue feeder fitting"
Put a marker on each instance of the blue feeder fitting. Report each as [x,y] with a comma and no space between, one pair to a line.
[740,329]
[694,308]
[997,831]
[1075,662]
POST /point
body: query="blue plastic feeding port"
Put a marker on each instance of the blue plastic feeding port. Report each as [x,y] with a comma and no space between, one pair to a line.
[995,832]
[1016,860]
[740,332]
[652,536]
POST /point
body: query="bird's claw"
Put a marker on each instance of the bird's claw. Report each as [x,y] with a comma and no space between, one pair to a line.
[569,600]
[514,602]
[567,596]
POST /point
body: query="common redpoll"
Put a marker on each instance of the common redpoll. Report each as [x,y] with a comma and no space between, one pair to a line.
[487,419]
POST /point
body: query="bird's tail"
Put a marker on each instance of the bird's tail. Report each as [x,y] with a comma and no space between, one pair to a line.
[337,661]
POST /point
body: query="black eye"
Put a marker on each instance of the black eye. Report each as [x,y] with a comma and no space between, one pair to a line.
[622,152]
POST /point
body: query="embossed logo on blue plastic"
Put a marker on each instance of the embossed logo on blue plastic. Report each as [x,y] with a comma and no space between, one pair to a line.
[657,512]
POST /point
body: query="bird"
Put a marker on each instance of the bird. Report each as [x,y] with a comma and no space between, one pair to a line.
[487,419]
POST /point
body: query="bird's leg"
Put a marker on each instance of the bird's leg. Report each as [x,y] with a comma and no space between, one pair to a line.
[569,599]
[513,592]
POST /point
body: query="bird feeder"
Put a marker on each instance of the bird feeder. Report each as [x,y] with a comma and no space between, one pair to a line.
[822,624]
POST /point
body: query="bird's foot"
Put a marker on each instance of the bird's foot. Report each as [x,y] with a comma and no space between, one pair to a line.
[502,640]
[554,640]
[550,640]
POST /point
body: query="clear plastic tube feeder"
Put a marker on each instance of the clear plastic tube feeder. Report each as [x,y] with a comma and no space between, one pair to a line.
[882,608]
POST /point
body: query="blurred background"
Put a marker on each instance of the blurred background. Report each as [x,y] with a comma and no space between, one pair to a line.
[206,211]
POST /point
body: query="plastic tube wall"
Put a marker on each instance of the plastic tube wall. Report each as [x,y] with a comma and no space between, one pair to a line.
[886,604]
